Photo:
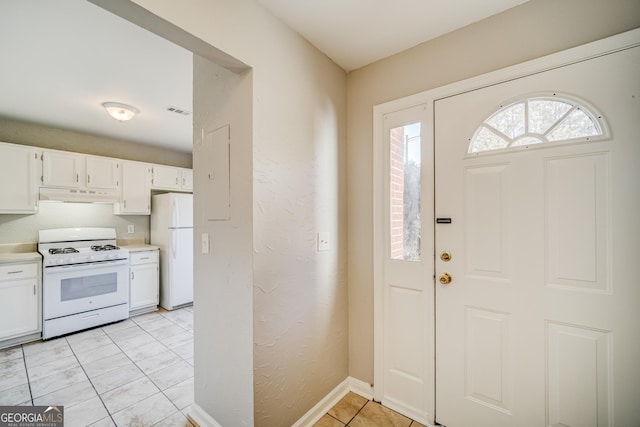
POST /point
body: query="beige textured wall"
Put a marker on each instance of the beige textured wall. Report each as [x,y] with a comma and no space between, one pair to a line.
[534,29]
[299,299]
[223,278]
[18,132]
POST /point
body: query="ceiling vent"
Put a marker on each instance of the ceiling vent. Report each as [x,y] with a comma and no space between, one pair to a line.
[177,110]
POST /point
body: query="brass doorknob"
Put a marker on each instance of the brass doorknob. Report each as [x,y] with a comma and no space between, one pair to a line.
[445,278]
[445,256]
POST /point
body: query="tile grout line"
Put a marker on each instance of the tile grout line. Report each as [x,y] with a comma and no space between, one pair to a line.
[26,371]
[356,414]
[89,378]
[180,358]
[145,374]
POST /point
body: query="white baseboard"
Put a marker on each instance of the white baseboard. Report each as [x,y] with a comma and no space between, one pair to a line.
[200,418]
[349,384]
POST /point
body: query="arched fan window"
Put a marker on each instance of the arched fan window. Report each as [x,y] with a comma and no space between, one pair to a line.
[537,120]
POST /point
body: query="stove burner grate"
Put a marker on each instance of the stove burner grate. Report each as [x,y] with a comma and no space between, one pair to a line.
[55,251]
[104,247]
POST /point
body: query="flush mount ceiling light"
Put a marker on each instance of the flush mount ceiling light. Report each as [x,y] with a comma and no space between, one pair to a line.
[120,112]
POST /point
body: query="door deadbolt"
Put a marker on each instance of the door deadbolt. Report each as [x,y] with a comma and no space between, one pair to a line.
[445,278]
[445,256]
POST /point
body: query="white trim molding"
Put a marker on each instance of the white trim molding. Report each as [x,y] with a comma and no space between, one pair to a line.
[349,384]
[574,55]
[200,418]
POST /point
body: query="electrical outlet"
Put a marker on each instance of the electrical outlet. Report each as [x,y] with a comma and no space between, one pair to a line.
[131,228]
[323,241]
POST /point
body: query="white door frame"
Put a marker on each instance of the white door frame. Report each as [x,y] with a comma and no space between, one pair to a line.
[598,48]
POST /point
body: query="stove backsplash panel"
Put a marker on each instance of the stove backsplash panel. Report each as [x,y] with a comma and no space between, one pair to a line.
[24,228]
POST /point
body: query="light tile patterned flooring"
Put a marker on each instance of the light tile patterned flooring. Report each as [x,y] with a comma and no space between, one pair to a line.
[356,411]
[137,372]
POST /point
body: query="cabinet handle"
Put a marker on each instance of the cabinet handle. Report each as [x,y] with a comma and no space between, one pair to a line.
[77,178]
[176,181]
[125,203]
[146,257]
[132,276]
[34,289]
[14,272]
[88,179]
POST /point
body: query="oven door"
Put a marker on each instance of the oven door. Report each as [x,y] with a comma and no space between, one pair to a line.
[72,289]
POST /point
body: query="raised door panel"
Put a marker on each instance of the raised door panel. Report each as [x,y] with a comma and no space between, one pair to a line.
[165,178]
[19,314]
[187,179]
[136,193]
[143,286]
[18,179]
[62,169]
[103,173]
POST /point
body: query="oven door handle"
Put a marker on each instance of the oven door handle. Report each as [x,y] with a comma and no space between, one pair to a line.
[85,266]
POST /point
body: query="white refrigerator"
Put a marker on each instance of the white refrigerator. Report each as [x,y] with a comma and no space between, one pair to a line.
[172,231]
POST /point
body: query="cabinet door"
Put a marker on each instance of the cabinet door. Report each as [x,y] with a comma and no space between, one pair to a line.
[187,179]
[62,169]
[19,314]
[136,192]
[102,172]
[165,178]
[19,174]
[143,287]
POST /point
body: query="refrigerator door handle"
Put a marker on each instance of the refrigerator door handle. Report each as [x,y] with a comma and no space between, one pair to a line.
[174,243]
[174,213]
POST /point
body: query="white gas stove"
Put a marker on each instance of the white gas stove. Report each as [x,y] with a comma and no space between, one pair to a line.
[85,279]
[64,252]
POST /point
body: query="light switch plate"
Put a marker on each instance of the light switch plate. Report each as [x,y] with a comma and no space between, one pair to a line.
[205,243]
[323,241]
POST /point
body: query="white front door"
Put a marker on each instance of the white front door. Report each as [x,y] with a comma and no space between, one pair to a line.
[540,323]
[406,380]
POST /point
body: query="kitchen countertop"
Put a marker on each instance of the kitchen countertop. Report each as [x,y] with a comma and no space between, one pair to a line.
[16,252]
[139,247]
[20,256]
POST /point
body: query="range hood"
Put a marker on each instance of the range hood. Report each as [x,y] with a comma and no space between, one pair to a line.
[80,195]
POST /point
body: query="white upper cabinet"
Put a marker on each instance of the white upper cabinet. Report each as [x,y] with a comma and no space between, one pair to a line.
[171,178]
[62,169]
[19,175]
[136,189]
[186,179]
[102,172]
[72,170]
[165,178]
[29,174]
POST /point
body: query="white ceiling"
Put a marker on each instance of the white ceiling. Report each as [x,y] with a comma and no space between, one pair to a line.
[62,59]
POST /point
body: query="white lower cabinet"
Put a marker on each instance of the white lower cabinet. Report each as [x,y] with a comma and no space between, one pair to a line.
[143,285]
[20,302]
